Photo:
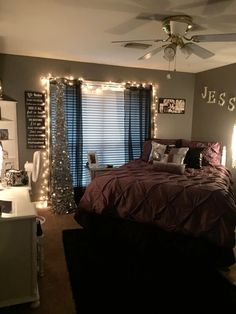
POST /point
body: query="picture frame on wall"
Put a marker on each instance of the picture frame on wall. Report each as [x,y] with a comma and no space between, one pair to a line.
[7,164]
[4,134]
[171,105]
[92,159]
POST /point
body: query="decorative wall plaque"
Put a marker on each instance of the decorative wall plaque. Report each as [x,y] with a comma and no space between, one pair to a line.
[35,119]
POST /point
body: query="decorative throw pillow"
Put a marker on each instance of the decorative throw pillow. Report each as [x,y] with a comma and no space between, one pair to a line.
[211,154]
[177,155]
[193,158]
[168,148]
[169,167]
[147,146]
[157,152]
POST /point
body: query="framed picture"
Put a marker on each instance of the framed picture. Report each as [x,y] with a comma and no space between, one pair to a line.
[92,159]
[8,164]
[3,134]
[171,105]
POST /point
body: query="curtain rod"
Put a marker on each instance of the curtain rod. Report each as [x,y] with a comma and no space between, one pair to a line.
[71,79]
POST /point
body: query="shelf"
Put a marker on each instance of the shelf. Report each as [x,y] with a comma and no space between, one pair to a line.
[5,120]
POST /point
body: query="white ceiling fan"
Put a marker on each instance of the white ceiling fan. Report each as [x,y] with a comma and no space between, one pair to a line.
[177,29]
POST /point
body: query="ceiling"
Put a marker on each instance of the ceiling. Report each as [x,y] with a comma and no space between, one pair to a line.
[82,30]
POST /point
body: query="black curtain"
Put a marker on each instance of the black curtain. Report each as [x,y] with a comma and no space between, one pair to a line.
[137,119]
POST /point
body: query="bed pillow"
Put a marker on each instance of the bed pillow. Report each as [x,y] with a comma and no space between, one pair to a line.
[169,167]
[147,146]
[193,158]
[169,147]
[157,152]
[177,155]
[211,154]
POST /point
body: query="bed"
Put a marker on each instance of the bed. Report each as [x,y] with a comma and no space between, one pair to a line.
[181,203]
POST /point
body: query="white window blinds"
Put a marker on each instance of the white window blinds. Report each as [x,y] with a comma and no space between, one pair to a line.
[103,122]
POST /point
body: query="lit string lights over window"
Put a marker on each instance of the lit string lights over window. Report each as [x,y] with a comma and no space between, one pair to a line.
[87,86]
[233,147]
[44,191]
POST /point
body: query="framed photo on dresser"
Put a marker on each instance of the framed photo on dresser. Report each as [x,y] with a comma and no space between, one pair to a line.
[92,159]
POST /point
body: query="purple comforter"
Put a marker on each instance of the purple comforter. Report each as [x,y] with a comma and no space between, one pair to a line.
[198,203]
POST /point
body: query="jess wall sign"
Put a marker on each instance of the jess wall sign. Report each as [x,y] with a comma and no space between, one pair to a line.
[220,98]
[35,119]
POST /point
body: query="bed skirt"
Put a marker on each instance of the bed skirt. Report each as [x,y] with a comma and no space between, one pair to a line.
[150,241]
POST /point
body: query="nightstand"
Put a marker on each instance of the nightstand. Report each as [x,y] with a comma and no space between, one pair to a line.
[98,171]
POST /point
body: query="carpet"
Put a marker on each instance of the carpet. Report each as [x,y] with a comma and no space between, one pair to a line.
[110,277]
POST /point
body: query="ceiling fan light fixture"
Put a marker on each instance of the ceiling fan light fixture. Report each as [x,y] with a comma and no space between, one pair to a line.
[146,56]
[177,25]
[187,50]
[168,58]
[178,28]
[169,52]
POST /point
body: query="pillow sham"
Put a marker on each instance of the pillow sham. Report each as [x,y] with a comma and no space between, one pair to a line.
[177,155]
[211,154]
[169,167]
[147,146]
[193,158]
[157,152]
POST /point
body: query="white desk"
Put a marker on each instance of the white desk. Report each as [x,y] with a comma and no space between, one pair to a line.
[18,250]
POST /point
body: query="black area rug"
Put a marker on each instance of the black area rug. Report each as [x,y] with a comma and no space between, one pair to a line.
[112,277]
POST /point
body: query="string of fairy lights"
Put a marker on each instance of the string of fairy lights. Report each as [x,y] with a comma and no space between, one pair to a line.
[44,191]
[87,87]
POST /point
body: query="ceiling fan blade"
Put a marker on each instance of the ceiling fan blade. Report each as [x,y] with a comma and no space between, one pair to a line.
[197,27]
[224,19]
[214,7]
[151,16]
[151,53]
[134,41]
[209,5]
[187,50]
[152,3]
[214,37]
[203,53]
[127,26]
[113,6]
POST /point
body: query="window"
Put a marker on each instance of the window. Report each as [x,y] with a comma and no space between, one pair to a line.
[103,118]
[103,123]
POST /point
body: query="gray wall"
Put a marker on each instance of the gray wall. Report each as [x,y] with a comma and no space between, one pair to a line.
[23,73]
[177,125]
[212,122]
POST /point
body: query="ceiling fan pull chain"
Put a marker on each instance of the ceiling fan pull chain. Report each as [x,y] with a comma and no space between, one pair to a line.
[168,76]
[175,63]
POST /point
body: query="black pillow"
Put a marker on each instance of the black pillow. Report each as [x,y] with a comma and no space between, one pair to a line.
[168,148]
[193,158]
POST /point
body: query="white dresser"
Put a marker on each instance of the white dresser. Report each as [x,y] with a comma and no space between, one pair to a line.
[18,249]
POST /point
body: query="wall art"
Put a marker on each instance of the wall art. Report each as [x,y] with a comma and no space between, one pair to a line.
[171,105]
